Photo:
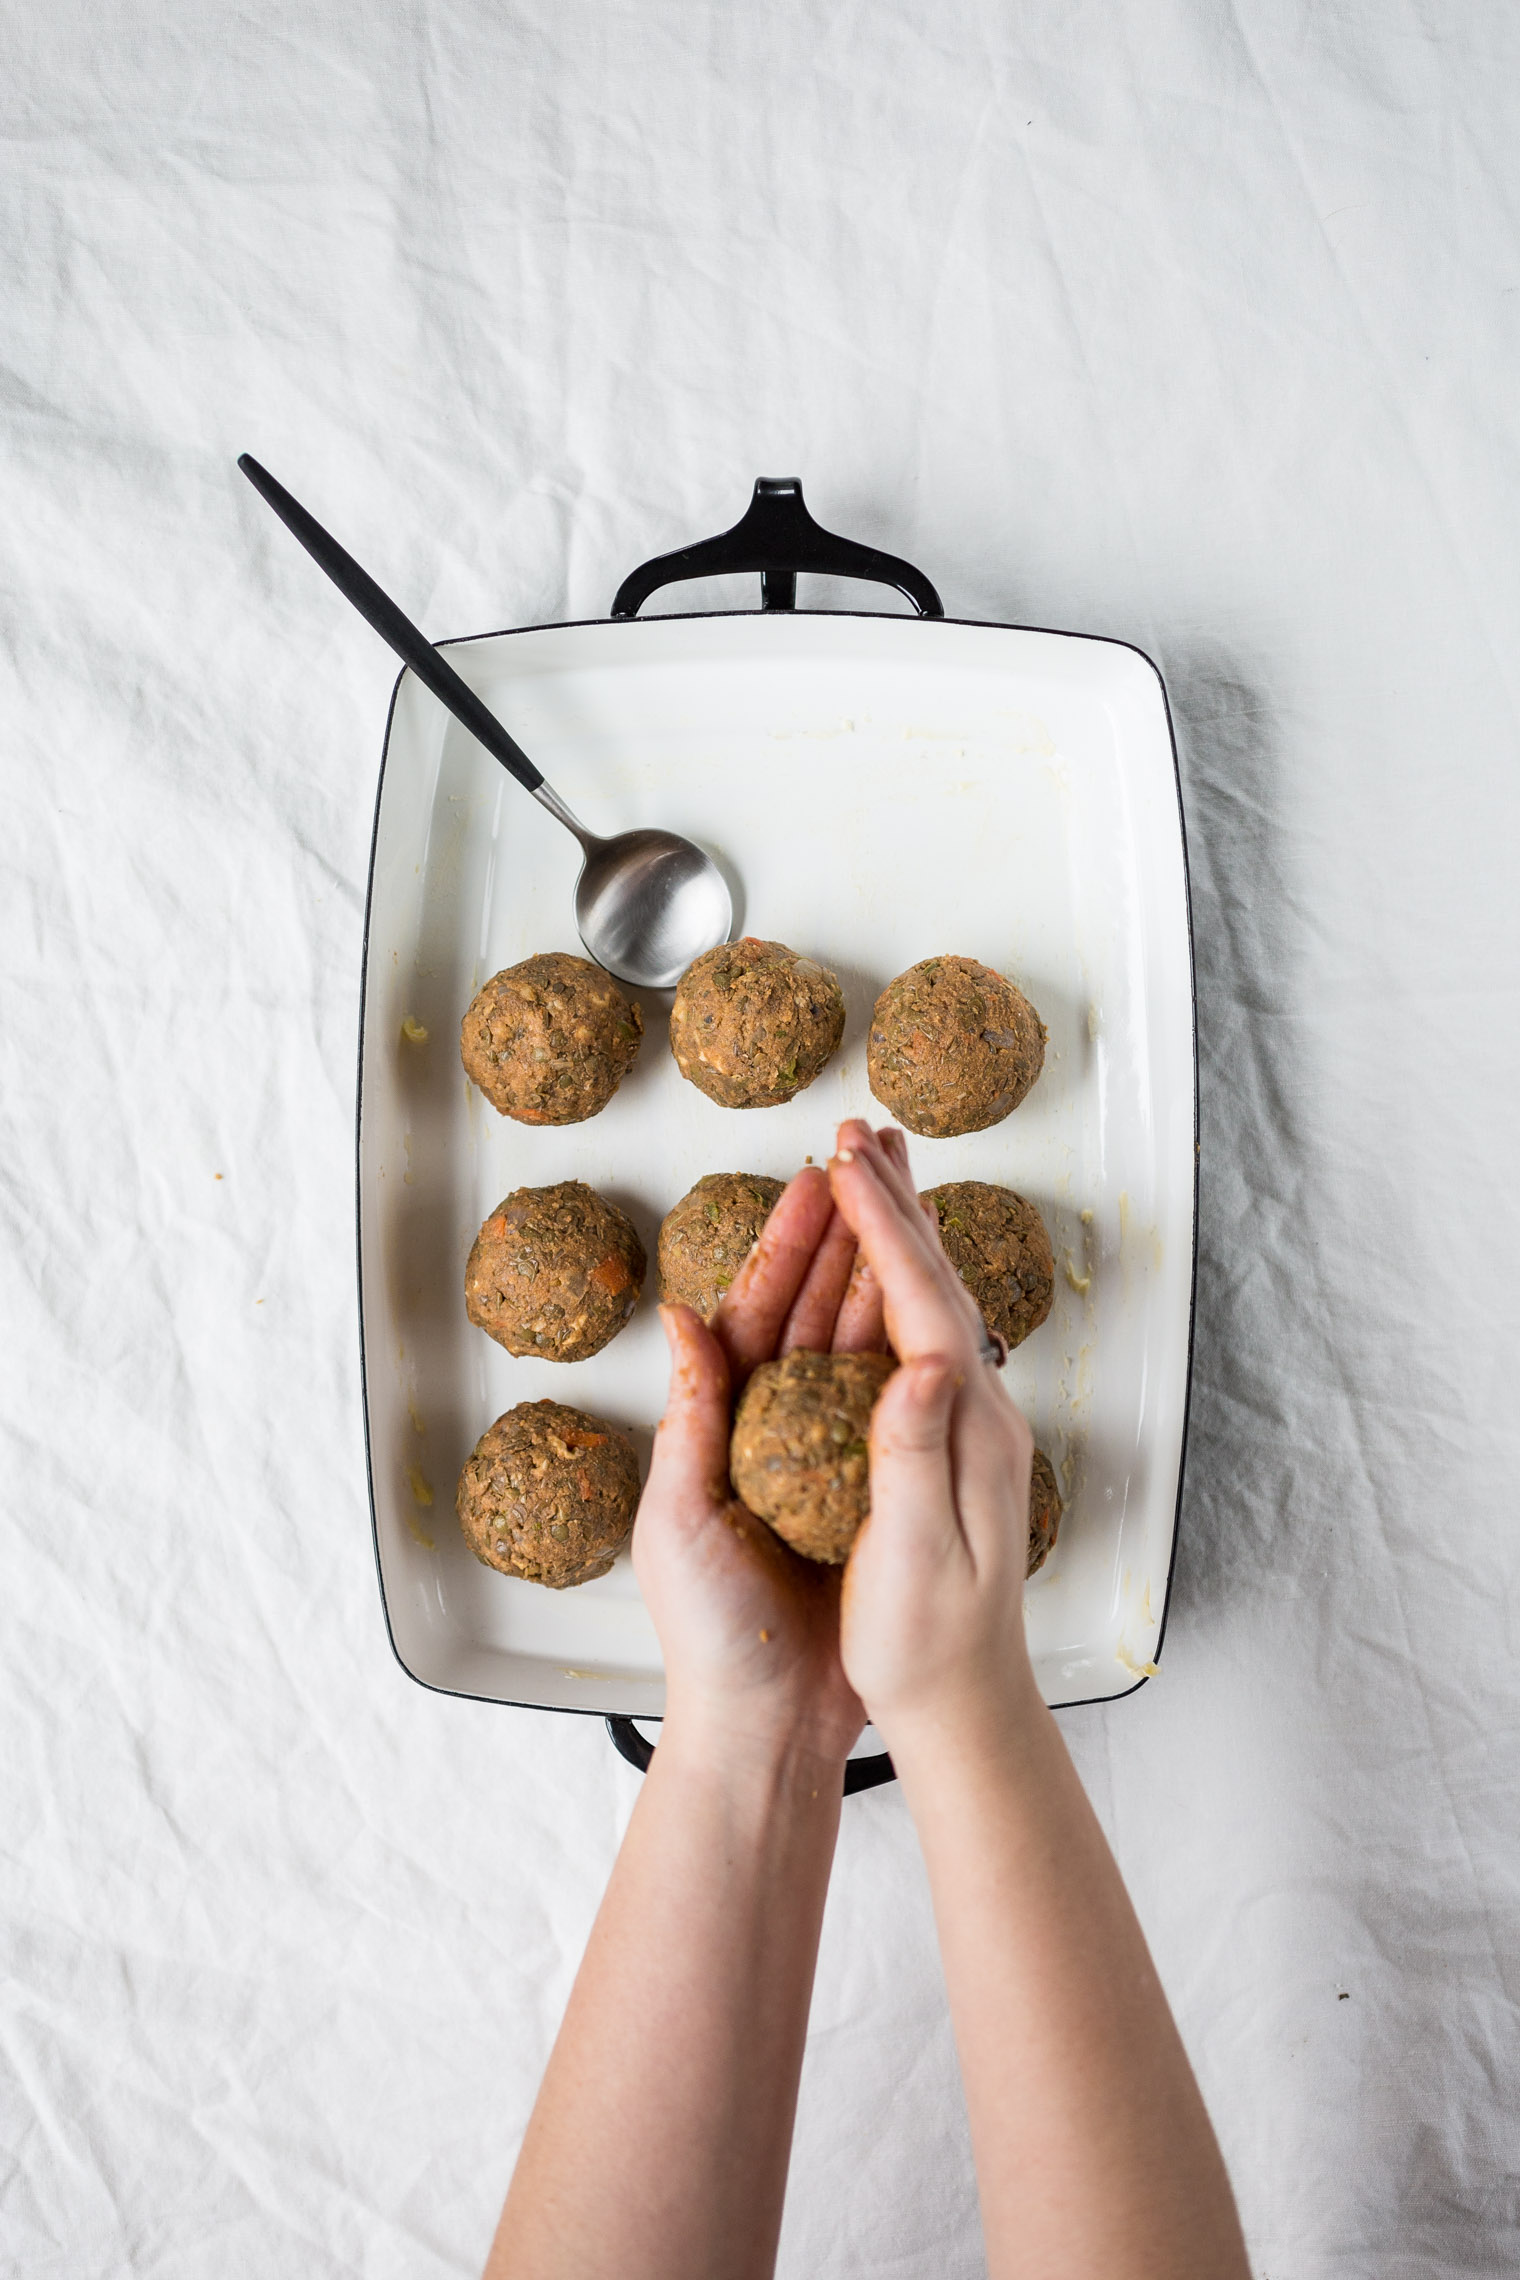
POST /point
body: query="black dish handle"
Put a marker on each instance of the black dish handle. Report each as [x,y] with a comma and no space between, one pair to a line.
[859,1773]
[778,537]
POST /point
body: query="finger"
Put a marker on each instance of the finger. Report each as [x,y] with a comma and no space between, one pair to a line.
[991,1447]
[926,1305]
[861,1327]
[888,1151]
[893,1144]
[815,1309]
[858,1144]
[888,1148]
[690,1462]
[912,1480]
[749,1319]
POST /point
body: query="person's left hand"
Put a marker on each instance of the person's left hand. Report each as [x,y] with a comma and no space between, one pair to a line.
[750,1632]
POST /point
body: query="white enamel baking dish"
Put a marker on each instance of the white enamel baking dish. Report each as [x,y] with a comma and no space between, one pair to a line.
[881,788]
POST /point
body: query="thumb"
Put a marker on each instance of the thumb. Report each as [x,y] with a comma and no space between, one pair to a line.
[911,1481]
[691,1446]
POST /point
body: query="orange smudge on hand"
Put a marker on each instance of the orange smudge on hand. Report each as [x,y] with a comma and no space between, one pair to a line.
[685,1380]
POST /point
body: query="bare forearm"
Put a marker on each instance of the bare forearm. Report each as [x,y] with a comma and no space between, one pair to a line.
[660,2139]
[1093,2149]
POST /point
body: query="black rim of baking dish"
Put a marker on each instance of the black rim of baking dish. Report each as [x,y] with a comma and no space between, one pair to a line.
[745,548]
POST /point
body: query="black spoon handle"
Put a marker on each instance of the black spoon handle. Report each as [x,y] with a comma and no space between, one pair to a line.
[393,626]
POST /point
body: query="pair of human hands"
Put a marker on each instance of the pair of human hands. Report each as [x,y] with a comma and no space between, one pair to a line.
[925,1627]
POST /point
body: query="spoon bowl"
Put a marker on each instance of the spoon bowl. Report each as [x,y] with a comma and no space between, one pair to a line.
[647,903]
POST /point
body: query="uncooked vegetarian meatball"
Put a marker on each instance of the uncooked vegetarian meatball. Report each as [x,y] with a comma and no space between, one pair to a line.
[1045,1509]
[549,1041]
[799,1451]
[548,1494]
[753,1023]
[953,1047]
[555,1271]
[997,1243]
[709,1234]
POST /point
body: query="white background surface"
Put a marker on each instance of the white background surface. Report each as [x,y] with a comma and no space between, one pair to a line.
[1192,324]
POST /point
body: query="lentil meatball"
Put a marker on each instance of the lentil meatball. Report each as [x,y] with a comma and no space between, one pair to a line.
[1045,1509]
[997,1244]
[753,1023]
[555,1271]
[549,1041]
[953,1047]
[799,1455]
[548,1494]
[707,1236]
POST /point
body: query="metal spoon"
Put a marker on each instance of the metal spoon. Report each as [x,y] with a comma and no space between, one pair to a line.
[646,902]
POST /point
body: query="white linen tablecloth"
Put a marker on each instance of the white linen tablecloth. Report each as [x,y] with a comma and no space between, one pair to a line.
[1190,323]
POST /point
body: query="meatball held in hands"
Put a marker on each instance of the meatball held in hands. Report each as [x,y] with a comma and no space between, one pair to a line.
[799,1455]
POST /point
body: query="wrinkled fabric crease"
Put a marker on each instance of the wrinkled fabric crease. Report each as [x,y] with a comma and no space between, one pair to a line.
[1196,326]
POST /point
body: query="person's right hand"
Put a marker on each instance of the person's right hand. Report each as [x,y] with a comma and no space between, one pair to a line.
[932,1623]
